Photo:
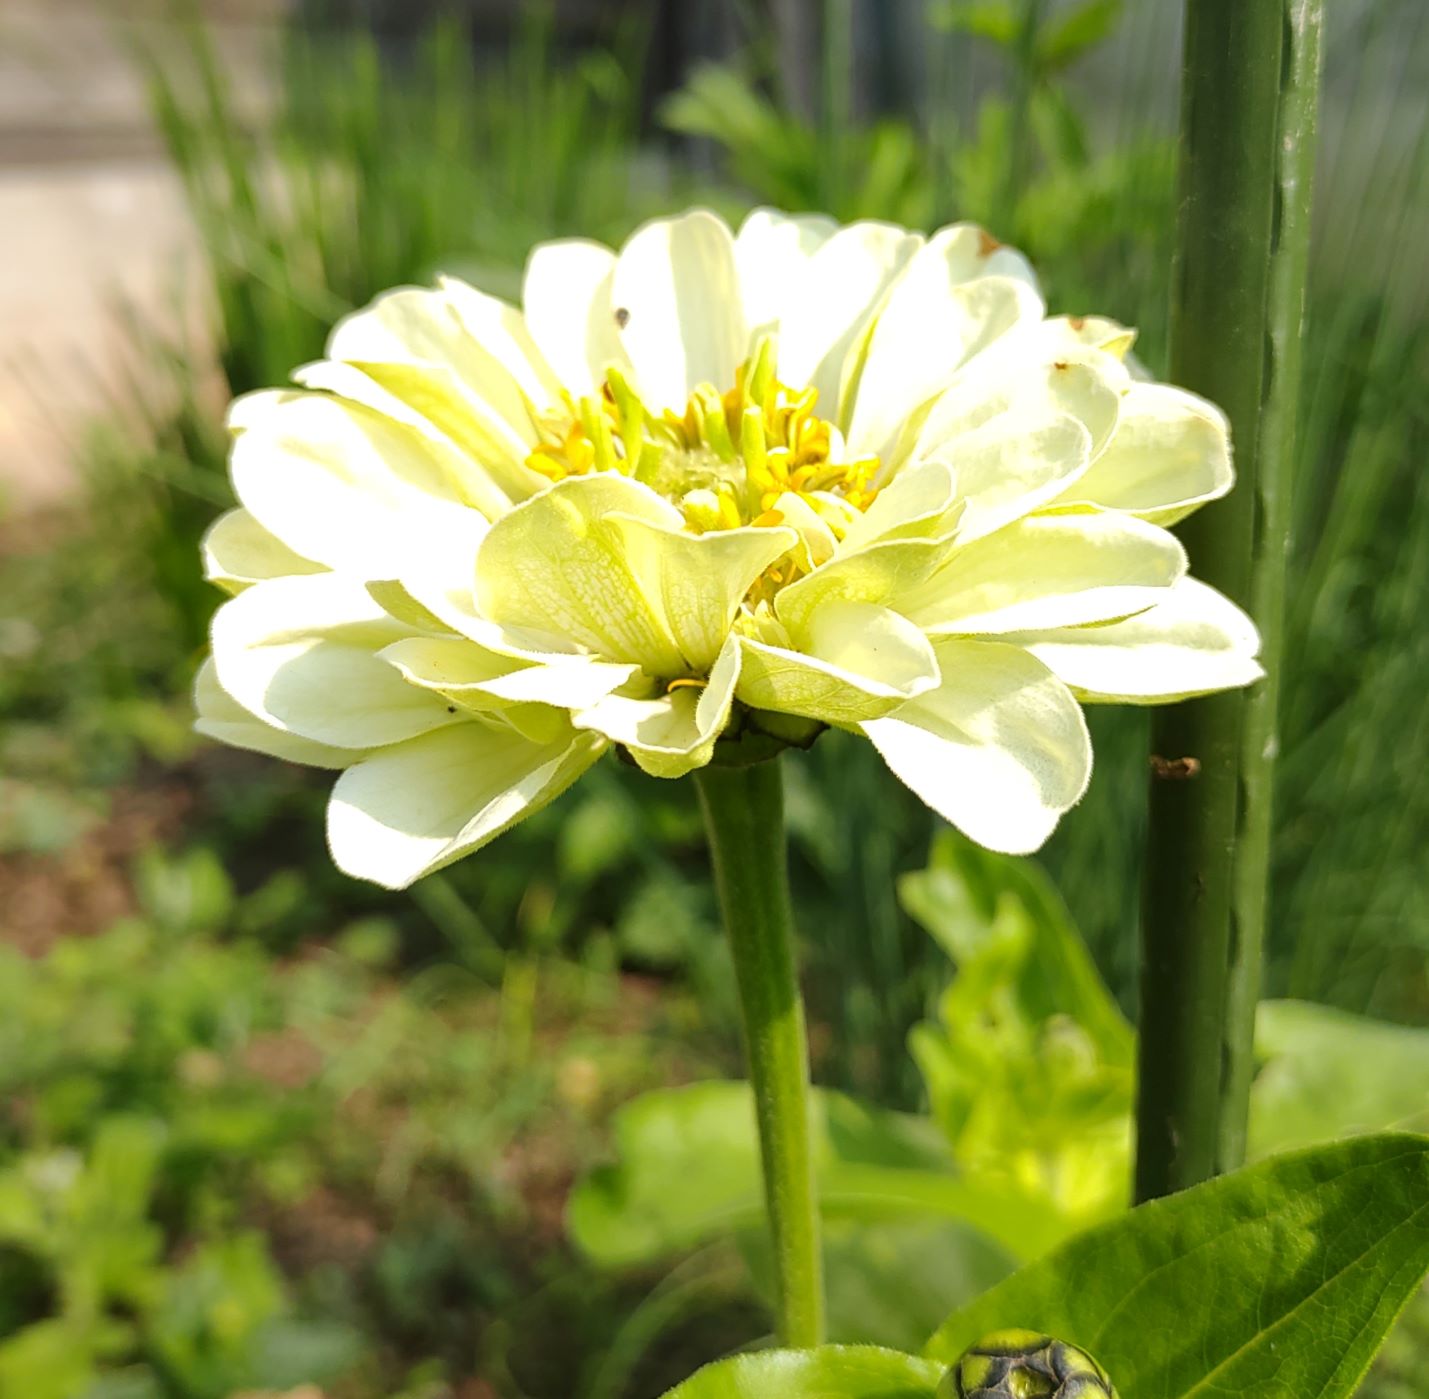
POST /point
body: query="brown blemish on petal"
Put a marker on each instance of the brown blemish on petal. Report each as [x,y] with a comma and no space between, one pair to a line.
[1076,322]
[986,243]
[622,316]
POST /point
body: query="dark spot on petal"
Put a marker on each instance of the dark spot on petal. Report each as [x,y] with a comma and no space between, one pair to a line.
[622,316]
[986,243]
[451,709]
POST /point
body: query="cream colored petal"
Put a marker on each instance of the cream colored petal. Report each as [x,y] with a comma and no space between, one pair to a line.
[829,306]
[878,573]
[1194,642]
[501,330]
[770,251]
[917,503]
[858,662]
[301,654]
[566,300]
[1048,571]
[970,251]
[238,551]
[999,749]
[342,485]
[817,542]
[677,299]
[1170,453]
[558,565]
[697,582]
[674,733]
[415,807]
[221,717]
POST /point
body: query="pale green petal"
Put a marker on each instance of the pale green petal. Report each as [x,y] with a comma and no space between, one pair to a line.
[1170,454]
[859,662]
[816,540]
[879,573]
[566,299]
[673,733]
[1194,642]
[697,581]
[558,565]
[301,654]
[917,503]
[677,296]
[342,485]
[419,805]
[501,331]
[238,551]
[770,251]
[221,717]
[828,307]
[1000,748]
[1048,571]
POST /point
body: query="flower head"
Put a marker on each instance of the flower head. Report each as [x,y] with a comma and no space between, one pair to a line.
[712,490]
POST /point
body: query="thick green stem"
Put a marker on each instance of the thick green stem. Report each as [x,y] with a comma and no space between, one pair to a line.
[1229,116]
[1290,255]
[744,815]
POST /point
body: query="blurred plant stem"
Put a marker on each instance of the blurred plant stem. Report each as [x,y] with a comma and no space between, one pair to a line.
[1276,450]
[744,816]
[1024,82]
[1229,115]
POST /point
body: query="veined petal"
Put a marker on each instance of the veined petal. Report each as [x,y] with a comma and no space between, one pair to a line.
[676,732]
[999,749]
[828,308]
[301,654]
[1171,453]
[678,305]
[1048,571]
[342,485]
[770,251]
[238,551]
[697,581]
[860,662]
[876,573]
[415,807]
[558,565]
[566,298]
[1194,642]
[221,717]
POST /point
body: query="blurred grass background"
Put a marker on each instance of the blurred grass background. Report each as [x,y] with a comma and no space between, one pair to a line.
[263,1126]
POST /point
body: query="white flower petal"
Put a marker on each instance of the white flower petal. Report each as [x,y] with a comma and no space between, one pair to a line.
[1194,642]
[221,717]
[770,251]
[238,551]
[301,654]
[1000,748]
[416,807]
[566,299]
[677,300]
[877,573]
[1048,571]
[917,503]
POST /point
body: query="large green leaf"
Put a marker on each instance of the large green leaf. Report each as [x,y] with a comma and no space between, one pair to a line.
[831,1372]
[1332,1074]
[1279,1281]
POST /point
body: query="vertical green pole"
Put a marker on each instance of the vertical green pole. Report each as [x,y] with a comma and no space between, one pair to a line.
[1290,256]
[1229,115]
[744,816]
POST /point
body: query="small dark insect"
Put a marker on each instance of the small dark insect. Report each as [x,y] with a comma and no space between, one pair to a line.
[451,709]
[1174,769]
[622,316]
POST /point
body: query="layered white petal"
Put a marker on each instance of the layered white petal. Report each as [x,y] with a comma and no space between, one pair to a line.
[301,654]
[566,299]
[237,551]
[999,749]
[221,717]
[419,805]
[879,573]
[679,308]
[916,504]
[1194,642]
[1048,571]
[770,251]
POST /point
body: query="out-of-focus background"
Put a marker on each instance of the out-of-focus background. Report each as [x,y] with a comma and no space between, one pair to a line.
[264,1129]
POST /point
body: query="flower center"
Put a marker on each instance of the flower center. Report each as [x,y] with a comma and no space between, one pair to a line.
[729,460]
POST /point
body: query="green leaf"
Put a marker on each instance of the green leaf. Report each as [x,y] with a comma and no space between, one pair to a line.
[831,1372]
[1278,1281]
[1077,32]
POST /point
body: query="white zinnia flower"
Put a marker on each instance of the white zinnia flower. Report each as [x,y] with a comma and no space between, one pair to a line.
[710,487]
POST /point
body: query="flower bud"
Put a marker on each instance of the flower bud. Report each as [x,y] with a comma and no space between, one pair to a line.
[1025,1365]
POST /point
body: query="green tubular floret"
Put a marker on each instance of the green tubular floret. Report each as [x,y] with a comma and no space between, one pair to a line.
[1016,1364]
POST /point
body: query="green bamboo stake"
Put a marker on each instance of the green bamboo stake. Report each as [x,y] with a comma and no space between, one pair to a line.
[744,817]
[1229,115]
[1290,257]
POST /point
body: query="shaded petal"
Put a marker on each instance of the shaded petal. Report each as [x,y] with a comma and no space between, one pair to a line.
[1170,454]
[676,287]
[1194,642]
[238,551]
[419,805]
[770,251]
[877,573]
[566,298]
[301,654]
[915,504]
[676,732]
[1049,571]
[1000,748]
[860,662]
[221,717]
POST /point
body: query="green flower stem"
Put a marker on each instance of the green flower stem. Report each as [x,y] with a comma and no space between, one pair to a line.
[1290,255]
[744,815]
[1229,117]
